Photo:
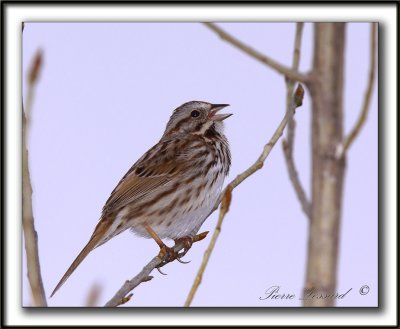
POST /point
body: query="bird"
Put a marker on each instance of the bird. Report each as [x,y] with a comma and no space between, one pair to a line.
[171,190]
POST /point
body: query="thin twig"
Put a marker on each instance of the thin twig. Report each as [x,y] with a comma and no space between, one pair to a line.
[287,72]
[128,286]
[294,178]
[226,195]
[367,98]
[30,235]
[288,144]
[226,201]
[122,297]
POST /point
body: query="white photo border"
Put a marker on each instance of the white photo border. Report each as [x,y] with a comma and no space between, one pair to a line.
[15,13]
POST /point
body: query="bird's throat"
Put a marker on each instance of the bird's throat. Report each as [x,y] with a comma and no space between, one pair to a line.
[207,130]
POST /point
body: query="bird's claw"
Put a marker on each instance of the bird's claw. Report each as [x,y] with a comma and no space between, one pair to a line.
[161,272]
[168,254]
[182,261]
[187,242]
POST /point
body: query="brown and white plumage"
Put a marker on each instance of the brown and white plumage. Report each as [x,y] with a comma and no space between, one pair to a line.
[173,186]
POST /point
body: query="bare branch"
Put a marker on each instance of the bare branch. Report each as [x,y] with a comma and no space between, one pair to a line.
[129,285]
[30,235]
[288,144]
[226,195]
[297,47]
[287,72]
[367,98]
[226,201]
[294,178]
[122,297]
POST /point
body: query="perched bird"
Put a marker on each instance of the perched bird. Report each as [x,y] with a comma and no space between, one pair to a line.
[172,188]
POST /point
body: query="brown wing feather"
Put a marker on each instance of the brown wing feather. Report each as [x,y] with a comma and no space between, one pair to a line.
[155,169]
[133,187]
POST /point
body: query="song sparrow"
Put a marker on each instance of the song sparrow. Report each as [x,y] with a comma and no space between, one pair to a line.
[171,189]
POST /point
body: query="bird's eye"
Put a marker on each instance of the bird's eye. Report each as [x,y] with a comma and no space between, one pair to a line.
[195,114]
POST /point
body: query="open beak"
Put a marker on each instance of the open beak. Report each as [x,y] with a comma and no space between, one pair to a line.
[212,115]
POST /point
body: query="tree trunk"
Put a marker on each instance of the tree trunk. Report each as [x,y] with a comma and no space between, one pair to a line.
[326,88]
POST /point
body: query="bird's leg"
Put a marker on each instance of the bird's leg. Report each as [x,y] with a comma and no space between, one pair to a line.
[155,237]
[166,253]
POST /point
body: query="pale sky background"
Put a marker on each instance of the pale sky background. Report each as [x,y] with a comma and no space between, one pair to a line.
[104,97]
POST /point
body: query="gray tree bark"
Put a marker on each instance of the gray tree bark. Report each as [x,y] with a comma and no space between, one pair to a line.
[326,87]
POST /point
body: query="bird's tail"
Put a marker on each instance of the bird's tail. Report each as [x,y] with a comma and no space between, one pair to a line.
[94,242]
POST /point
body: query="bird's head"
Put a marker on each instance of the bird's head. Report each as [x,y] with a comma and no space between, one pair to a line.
[197,118]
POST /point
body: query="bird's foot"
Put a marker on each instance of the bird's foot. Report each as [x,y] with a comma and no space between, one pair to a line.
[168,254]
[188,241]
